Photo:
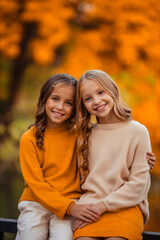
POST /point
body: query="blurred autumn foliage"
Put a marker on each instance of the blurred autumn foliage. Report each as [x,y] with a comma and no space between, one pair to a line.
[39,38]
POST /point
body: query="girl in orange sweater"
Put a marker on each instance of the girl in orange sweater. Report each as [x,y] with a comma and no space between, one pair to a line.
[112,156]
[49,166]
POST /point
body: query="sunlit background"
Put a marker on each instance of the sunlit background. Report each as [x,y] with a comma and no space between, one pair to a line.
[39,38]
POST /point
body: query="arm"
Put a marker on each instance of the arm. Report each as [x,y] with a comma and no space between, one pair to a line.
[136,188]
[46,195]
[151,159]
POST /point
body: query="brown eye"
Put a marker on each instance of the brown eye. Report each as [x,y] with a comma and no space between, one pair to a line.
[54,98]
[87,99]
[69,103]
[100,92]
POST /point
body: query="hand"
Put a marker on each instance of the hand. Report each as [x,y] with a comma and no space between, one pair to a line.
[84,212]
[99,207]
[151,159]
[79,224]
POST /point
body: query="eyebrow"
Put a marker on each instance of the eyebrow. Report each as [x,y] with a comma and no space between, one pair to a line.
[98,89]
[88,95]
[68,99]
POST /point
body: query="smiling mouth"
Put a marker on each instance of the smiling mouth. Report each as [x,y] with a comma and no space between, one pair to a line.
[57,114]
[100,108]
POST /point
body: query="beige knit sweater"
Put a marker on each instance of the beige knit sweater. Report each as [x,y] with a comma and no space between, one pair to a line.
[119,172]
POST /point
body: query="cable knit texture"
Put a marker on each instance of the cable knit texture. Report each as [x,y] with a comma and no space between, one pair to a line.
[119,172]
[51,176]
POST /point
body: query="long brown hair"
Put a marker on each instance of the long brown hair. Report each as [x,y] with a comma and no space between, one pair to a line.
[41,116]
[84,127]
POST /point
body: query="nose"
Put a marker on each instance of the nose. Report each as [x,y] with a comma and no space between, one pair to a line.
[60,105]
[96,100]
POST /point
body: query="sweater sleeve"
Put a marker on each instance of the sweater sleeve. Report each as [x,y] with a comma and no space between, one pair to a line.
[46,195]
[136,188]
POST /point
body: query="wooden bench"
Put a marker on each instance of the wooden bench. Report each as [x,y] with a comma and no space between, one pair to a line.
[10,226]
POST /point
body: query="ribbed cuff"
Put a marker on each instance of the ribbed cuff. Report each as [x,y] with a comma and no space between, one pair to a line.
[69,207]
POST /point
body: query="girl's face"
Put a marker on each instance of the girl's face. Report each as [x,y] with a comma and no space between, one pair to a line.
[59,105]
[98,102]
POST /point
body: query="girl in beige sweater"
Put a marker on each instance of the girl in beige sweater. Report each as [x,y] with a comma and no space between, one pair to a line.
[112,156]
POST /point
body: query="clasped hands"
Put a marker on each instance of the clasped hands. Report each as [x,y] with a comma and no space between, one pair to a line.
[86,213]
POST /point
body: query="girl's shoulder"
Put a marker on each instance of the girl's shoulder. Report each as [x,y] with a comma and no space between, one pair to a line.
[138,127]
[29,134]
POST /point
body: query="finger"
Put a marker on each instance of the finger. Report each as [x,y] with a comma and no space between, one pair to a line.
[83,225]
[93,210]
[91,205]
[90,214]
[74,229]
[150,166]
[150,153]
[151,157]
[85,219]
[152,162]
[93,214]
[76,225]
[77,221]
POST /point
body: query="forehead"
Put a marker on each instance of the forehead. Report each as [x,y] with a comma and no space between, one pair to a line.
[64,90]
[89,86]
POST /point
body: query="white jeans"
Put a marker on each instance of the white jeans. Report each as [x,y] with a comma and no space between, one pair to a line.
[36,223]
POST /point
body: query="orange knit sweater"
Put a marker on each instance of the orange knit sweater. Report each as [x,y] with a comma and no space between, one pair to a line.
[51,176]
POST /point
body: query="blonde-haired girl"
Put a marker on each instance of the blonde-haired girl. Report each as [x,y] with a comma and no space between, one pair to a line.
[112,156]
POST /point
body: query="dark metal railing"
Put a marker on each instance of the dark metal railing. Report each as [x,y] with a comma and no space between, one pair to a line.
[10,226]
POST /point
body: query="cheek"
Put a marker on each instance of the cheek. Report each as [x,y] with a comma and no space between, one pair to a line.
[48,103]
[46,106]
[70,110]
[110,99]
[87,106]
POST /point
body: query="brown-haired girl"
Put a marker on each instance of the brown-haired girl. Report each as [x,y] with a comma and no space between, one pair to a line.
[113,165]
[49,166]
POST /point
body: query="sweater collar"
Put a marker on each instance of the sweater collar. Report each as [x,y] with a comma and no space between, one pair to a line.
[56,130]
[110,125]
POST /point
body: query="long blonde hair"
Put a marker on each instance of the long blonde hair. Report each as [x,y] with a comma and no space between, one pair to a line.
[83,124]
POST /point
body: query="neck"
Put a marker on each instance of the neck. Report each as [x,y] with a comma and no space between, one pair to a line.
[112,118]
[54,126]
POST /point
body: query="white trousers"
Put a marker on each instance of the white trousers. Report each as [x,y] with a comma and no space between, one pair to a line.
[36,223]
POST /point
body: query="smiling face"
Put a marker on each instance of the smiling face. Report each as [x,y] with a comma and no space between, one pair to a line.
[98,102]
[59,105]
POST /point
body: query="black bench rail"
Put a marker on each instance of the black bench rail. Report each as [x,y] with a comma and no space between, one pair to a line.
[151,235]
[10,226]
[7,226]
